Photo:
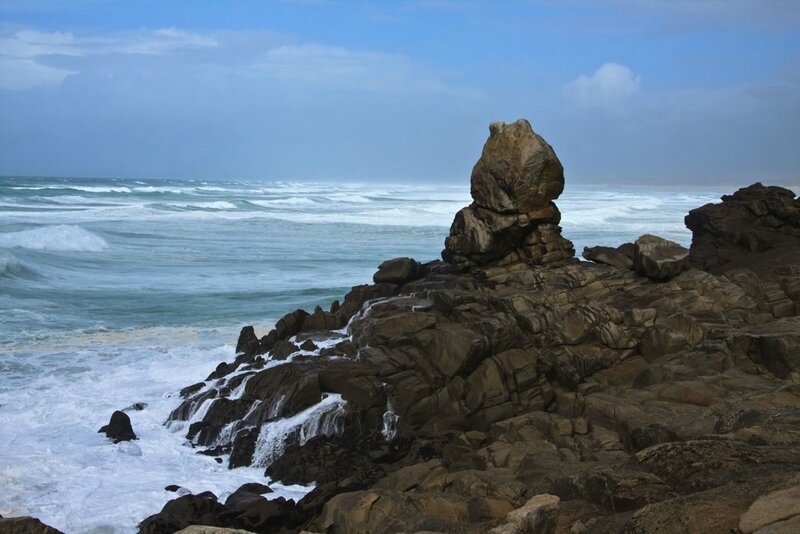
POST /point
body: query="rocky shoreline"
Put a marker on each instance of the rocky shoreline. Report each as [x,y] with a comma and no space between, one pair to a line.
[513,388]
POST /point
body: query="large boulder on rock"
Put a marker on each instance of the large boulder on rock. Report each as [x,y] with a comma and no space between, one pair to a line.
[757,227]
[119,428]
[518,171]
[512,218]
[659,259]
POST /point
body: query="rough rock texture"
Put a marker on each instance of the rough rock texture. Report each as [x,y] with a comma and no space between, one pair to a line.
[620,257]
[512,217]
[25,525]
[119,428]
[756,227]
[659,259]
[446,401]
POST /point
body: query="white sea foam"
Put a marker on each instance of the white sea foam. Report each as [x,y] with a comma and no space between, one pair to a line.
[97,189]
[290,201]
[216,205]
[325,418]
[54,464]
[157,189]
[59,238]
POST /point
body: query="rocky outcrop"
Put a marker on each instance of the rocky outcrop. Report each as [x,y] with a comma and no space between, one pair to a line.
[513,217]
[119,428]
[502,391]
[757,227]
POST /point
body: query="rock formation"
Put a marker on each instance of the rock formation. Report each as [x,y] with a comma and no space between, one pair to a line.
[513,217]
[509,388]
[757,227]
[119,428]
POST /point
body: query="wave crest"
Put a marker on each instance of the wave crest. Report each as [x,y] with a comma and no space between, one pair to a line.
[62,237]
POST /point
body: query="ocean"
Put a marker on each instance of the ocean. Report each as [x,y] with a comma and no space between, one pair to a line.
[119,291]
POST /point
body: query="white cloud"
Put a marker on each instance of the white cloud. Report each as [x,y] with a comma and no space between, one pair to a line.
[332,66]
[607,88]
[20,73]
[33,58]
[24,53]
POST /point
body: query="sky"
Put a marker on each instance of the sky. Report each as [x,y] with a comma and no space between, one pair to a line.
[639,91]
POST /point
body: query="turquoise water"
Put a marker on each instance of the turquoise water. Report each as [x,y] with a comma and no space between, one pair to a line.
[120,291]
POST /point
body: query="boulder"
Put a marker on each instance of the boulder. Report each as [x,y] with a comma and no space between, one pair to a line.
[512,218]
[248,341]
[537,516]
[119,428]
[201,509]
[659,259]
[518,172]
[620,257]
[397,271]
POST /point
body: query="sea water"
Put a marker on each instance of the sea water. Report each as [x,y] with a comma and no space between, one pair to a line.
[119,291]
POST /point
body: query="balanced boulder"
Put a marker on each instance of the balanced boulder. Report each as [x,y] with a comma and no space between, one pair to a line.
[513,217]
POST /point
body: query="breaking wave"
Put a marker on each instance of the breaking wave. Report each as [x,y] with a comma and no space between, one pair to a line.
[62,237]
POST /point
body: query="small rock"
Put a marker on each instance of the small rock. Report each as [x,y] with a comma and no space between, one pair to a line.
[136,406]
[172,488]
[537,516]
[119,428]
[659,259]
[580,425]
[308,345]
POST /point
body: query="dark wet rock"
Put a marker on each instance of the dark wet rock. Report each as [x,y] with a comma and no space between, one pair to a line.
[136,407]
[756,227]
[659,259]
[119,428]
[190,390]
[248,341]
[201,509]
[172,488]
[283,349]
[25,525]
[397,271]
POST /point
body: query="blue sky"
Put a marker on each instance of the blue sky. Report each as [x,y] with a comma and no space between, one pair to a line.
[647,91]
